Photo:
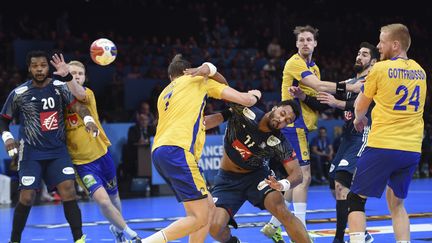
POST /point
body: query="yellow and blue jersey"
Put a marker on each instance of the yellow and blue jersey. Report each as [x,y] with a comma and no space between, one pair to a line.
[398,88]
[83,147]
[294,71]
[180,109]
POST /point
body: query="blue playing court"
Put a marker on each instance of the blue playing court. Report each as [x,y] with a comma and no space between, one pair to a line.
[47,224]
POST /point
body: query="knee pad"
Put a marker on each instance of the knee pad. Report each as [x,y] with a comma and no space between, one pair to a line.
[355,202]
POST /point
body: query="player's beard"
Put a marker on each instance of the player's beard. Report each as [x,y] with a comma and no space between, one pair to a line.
[272,123]
[39,79]
[358,67]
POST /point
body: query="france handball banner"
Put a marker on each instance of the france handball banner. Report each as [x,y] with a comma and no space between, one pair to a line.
[209,162]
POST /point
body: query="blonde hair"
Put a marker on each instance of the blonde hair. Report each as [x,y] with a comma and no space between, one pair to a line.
[398,32]
[78,64]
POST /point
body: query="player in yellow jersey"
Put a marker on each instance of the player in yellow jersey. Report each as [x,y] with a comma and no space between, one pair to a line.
[179,141]
[397,85]
[92,159]
[301,71]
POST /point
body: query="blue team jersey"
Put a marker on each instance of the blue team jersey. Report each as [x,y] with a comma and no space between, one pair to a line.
[349,116]
[249,147]
[40,112]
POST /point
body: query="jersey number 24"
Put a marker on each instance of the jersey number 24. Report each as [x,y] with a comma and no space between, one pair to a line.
[413,100]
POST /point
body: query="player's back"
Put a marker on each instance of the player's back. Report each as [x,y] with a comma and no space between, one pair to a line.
[399,102]
[180,109]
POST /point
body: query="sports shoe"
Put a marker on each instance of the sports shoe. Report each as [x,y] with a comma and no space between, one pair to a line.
[368,238]
[268,230]
[136,239]
[277,237]
[118,236]
[81,240]
[272,232]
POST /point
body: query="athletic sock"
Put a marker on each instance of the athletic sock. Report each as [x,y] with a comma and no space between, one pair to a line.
[158,237]
[357,237]
[128,231]
[19,221]
[73,215]
[342,218]
[300,212]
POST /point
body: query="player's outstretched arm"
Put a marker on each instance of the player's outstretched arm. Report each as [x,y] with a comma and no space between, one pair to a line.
[62,70]
[213,120]
[207,69]
[295,175]
[331,87]
[248,99]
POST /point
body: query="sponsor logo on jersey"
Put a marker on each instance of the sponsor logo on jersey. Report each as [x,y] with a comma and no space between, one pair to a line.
[73,120]
[49,120]
[344,162]
[332,167]
[89,180]
[27,180]
[244,152]
[58,83]
[348,115]
[21,90]
[33,98]
[273,141]
[68,171]
[249,113]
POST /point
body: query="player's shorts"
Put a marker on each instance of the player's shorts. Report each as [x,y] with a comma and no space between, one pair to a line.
[231,190]
[298,139]
[379,167]
[181,172]
[99,173]
[347,155]
[52,171]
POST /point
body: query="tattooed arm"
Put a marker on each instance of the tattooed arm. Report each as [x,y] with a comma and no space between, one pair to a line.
[84,113]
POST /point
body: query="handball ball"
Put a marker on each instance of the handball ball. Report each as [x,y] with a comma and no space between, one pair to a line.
[103,51]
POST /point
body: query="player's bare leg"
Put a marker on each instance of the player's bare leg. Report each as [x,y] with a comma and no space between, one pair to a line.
[219,229]
[275,204]
[201,234]
[72,212]
[197,212]
[400,219]
[300,195]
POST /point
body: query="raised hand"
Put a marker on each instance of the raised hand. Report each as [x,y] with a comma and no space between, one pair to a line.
[202,70]
[326,98]
[297,92]
[359,124]
[62,68]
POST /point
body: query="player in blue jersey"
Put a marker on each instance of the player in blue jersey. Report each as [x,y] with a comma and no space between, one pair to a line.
[39,106]
[397,86]
[253,138]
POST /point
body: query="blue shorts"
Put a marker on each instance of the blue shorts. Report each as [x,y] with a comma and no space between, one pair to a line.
[98,173]
[298,139]
[378,167]
[231,190]
[181,172]
[52,171]
[347,155]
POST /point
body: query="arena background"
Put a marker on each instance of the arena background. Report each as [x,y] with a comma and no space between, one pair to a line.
[235,36]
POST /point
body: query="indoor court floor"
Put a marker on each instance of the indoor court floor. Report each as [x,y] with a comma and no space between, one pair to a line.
[46,223]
